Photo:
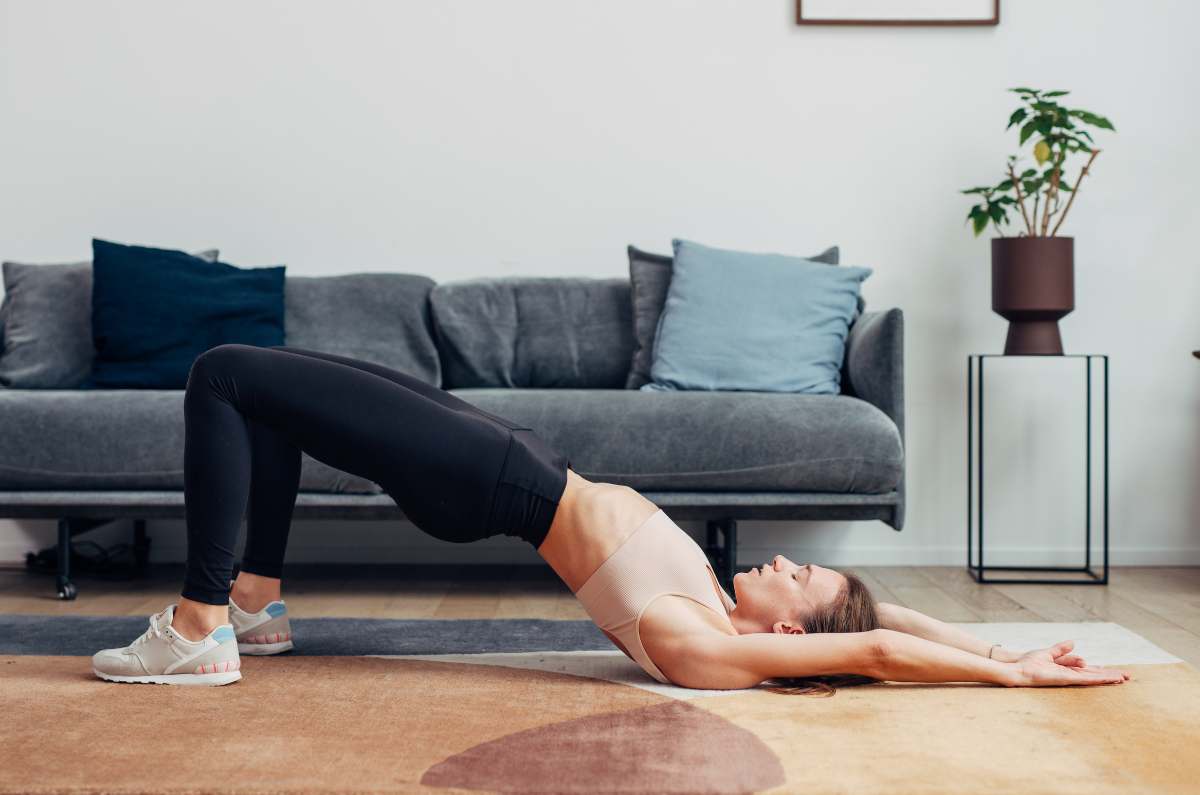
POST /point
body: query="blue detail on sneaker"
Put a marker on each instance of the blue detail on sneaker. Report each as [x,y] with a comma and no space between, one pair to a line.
[224,633]
[276,609]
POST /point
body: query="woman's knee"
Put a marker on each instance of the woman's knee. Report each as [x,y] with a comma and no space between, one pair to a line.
[225,359]
[222,356]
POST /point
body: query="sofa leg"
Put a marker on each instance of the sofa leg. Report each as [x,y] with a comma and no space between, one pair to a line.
[724,555]
[66,588]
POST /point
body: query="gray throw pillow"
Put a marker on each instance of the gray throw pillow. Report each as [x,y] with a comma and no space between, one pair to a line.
[47,318]
[650,278]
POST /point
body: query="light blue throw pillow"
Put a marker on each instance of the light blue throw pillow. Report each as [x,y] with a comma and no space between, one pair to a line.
[757,322]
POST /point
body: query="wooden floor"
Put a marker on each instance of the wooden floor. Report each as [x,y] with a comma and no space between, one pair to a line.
[1160,603]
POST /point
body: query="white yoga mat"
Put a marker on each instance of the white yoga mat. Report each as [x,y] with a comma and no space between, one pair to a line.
[1098,642]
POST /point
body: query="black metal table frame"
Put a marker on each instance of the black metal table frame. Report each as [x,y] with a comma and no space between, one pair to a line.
[978,570]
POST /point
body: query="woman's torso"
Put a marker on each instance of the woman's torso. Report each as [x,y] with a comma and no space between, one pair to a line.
[643,583]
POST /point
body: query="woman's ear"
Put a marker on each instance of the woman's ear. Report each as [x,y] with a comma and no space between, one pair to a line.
[787,628]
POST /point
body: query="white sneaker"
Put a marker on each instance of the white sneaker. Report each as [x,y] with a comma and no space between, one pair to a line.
[163,656]
[266,632]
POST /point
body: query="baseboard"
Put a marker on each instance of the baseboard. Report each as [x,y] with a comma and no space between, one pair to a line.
[384,545]
[519,553]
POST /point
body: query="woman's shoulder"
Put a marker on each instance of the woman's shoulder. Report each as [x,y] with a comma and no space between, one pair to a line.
[672,626]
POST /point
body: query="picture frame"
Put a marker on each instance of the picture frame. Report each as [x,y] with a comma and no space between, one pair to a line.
[911,13]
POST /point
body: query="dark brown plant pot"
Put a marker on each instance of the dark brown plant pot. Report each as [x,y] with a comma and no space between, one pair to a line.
[1033,286]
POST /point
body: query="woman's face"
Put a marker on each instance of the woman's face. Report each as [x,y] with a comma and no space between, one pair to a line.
[776,594]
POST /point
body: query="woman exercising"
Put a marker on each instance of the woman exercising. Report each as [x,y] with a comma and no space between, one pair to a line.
[461,474]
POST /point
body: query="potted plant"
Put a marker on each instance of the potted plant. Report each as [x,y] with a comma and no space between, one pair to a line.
[1033,271]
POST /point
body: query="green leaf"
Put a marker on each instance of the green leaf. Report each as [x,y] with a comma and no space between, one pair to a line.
[1028,129]
[1056,93]
[1024,90]
[981,222]
[1005,185]
[1018,115]
[1091,118]
[977,190]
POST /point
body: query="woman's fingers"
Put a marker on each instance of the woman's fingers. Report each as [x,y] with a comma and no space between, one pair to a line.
[1106,671]
[1072,660]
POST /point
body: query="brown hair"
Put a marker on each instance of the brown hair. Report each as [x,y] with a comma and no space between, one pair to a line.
[852,610]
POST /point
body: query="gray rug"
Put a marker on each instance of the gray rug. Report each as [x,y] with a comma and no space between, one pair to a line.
[85,635]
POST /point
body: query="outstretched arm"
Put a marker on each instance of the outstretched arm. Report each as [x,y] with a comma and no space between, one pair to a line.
[721,662]
[737,661]
[913,622]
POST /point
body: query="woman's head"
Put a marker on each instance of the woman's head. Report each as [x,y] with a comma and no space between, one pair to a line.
[786,597]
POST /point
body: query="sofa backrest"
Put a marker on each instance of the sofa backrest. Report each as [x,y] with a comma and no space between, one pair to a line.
[380,317]
[533,331]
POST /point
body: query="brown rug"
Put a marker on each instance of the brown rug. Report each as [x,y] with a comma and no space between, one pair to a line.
[365,724]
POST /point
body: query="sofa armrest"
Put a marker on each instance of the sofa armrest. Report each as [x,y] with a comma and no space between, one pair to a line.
[873,370]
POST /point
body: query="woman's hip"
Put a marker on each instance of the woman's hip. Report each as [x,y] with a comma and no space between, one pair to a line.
[482,498]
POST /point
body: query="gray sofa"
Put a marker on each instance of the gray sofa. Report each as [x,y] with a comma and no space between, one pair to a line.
[553,353]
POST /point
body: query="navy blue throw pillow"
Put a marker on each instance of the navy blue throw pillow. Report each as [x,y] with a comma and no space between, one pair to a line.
[155,310]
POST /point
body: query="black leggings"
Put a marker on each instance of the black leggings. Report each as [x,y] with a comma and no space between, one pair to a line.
[458,472]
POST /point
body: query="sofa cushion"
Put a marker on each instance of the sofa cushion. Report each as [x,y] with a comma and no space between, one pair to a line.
[711,441]
[380,317]
[47,324]
[113,439]
[155,310]
[649,282]
[528,331]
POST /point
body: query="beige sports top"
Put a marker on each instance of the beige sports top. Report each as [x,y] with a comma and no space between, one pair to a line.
[657,559]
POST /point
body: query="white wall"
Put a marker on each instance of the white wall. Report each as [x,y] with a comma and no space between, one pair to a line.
[468,137]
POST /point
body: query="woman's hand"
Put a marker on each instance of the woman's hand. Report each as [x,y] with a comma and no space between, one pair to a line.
[1056,666]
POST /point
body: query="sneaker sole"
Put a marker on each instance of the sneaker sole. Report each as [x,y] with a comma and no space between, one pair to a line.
[223,678]
[265,648]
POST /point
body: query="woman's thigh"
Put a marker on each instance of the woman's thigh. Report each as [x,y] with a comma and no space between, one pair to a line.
[434,393]
[440,464]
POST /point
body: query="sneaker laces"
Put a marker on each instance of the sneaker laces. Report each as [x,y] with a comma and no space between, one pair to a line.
[155,628]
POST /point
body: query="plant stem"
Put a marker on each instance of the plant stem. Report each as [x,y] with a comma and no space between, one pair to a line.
[1071,200]
[1020,197]
[1052,192]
